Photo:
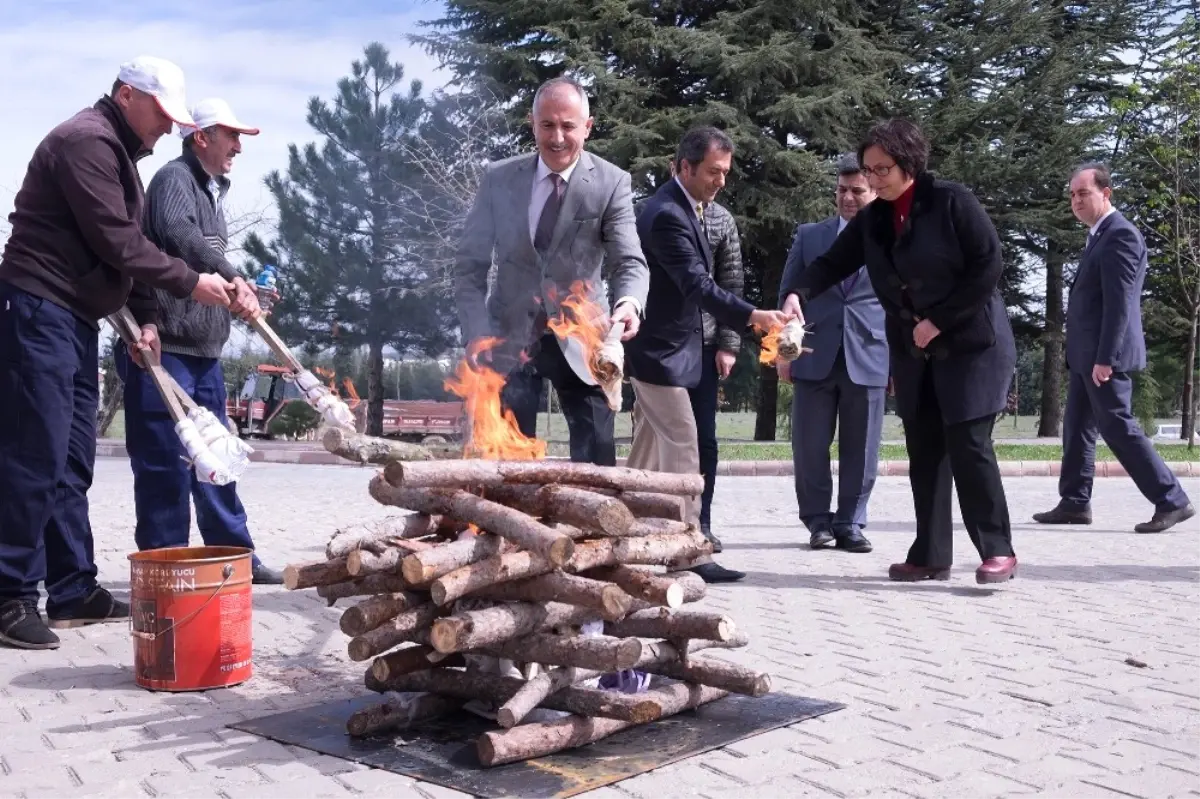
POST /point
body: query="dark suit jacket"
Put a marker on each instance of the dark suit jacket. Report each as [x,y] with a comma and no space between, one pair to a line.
[852,322]
[1104,312]
[945,266]
[668,349]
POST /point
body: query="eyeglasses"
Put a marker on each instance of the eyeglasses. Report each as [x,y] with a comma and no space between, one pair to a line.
[879,171]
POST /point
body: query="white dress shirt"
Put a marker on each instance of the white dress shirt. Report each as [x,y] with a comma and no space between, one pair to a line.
[543,186]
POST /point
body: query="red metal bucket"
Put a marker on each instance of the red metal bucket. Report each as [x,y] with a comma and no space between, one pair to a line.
[191,617]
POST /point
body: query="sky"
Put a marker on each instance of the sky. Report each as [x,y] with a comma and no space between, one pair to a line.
[265,58]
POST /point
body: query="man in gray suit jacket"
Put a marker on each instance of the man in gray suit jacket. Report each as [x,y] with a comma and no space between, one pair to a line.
[1104,344]
[841,383]
[547,220]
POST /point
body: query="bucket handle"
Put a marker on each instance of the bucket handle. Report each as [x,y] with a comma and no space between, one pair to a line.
[226,573]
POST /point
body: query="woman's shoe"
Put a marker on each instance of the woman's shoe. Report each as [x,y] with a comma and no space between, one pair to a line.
[908,573]
[996,570]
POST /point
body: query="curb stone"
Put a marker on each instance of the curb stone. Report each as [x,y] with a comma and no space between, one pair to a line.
[110,448]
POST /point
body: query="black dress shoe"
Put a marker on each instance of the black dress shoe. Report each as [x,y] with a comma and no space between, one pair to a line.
[820,538]
[852,540]
[22,626]
[1166,519]
[716,573]
[98,607]
[1065,514]
[261,575]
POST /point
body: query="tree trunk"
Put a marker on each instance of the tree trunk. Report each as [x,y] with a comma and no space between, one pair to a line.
[422,568]
[1053,361]
[410,659]
[370,613]
[114,398]
[643,584]
[768,404]
[321,572]
[411,625]
[673,625]
[367,586]
[375,536]
[474,629]
[606,599]
[375,384]
[366,449]
[595,652]
[1188,433]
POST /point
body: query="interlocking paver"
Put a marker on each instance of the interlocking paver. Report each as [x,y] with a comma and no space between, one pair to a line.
[952,689]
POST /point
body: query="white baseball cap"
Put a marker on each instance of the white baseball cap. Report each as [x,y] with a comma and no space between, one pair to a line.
[214,111]
[163,81]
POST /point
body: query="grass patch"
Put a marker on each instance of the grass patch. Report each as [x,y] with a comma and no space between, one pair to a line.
[898,452]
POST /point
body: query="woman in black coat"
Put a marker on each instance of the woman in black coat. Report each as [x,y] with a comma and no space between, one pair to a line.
[934,260]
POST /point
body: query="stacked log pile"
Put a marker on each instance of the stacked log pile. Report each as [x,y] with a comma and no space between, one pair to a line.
[516,584]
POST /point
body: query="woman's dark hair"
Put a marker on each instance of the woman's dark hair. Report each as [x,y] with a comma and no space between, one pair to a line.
[903,141]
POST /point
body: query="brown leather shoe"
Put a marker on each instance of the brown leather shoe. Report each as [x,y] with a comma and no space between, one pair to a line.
[1164,520]
[908,573]
[996,570]
[1063,514]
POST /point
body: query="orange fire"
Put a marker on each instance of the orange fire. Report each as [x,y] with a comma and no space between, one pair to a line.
[494,431]
[581,319]
[769,347]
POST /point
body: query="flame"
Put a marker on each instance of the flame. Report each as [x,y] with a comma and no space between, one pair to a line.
[769,346]
[583,320]
[350,392]
[494,431]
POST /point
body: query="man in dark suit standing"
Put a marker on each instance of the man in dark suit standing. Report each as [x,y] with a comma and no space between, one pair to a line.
[1104,344]
[841,383]
[665,360]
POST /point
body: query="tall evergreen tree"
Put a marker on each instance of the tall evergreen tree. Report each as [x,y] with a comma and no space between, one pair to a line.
[347,243]
[794,83]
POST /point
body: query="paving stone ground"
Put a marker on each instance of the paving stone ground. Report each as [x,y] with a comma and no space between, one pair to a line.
[952,690]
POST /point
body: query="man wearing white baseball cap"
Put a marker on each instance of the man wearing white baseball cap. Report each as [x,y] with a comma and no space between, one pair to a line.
[185,217]
[76,254]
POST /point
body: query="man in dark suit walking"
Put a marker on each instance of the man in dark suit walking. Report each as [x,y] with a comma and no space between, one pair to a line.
[1104,344]
[841,383]
[665,360]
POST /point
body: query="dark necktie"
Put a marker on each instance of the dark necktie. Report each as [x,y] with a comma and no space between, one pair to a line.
[549,217]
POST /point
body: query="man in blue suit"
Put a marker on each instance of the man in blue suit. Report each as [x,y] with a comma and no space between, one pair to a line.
[1104,344]
[841,383]
[665,359]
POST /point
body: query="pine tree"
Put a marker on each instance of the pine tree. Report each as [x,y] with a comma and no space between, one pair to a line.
[793,83]
[348,244]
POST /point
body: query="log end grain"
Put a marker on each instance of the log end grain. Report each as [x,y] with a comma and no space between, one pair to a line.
[629,652]
[291,577]
[394,473]
[354,562]
[560,551]
[674,596]
[446,633]
[359,649]
[413,570]
[616,602]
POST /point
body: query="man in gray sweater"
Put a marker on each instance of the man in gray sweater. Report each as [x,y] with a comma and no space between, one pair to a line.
[185,217]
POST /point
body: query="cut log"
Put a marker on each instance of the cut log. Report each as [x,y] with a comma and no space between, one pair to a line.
[361,563]
[598,652]
[475,629]
[534,691]
[504,521]
[528,741]
[694,589]
[367,586]
[411,625]
[658,527]
[370,613]
[493,571]
[321,572]
[653,549]
[567,504]
[485,473]
[368,449]
[608,600]
[663,506]
[410,659]
[708,671]
[374,536]
[398,712]
[495,688]
[673,624]
[643,584]
[422,568]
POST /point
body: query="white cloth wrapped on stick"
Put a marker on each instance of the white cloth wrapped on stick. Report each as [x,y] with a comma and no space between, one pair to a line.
[791,341]
[334,411]
[608,366]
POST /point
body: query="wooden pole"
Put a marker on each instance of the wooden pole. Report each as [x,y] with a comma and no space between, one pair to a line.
[485,473]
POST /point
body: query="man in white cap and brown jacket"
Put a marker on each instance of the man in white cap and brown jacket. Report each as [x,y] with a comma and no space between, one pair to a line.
[76,254]
[185,217]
